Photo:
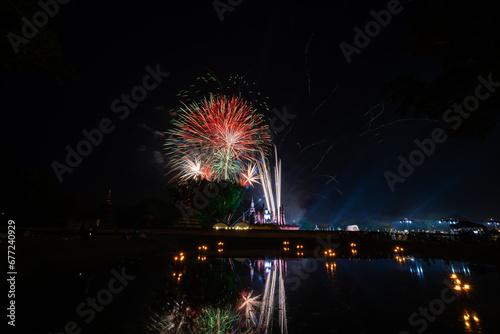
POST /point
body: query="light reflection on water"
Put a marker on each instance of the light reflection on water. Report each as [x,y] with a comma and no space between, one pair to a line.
[334,293]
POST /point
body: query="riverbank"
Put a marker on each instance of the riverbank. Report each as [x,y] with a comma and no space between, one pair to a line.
[55,255]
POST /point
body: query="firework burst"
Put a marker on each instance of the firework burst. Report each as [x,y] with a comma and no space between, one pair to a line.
[217,320]
[220,138]
[192,169]
[250,175]
[178,319]
[249,305]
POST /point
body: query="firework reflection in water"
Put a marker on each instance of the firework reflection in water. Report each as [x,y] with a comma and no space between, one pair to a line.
[276,273]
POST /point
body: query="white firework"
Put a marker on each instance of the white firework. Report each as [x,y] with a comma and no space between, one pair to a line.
[249,305]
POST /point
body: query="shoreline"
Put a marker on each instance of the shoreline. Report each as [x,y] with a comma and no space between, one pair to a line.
[57,255]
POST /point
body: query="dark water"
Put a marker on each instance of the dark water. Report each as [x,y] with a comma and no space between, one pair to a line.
[334,295]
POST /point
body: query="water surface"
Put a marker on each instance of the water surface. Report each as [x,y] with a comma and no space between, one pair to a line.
[324,295]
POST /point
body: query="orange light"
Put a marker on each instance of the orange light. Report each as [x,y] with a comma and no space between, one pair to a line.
[467,324]
[466,317]
[466,287]
[453,276]
[457,287]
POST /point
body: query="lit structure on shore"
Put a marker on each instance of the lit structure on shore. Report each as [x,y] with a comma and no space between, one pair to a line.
[407,222]
[272,215]
[274,211]
[265,216]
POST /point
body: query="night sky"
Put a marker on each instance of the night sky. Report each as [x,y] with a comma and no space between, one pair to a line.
[344,135]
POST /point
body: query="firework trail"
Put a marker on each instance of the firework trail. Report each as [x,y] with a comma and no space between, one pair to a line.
[268,300]
[282,300]
[277,179]
[273,203]
[267,304]
[217,139]
[395,122]
[321,141]
[331,178]
[326,99]
[265,177]
[289,128]
[324,155]
[380,104]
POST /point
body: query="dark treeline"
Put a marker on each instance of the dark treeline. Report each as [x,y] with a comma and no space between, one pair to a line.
[32,198]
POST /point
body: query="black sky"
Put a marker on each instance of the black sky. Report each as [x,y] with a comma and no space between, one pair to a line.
[291,51]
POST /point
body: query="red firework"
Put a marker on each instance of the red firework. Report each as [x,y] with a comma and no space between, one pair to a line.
[221,135]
